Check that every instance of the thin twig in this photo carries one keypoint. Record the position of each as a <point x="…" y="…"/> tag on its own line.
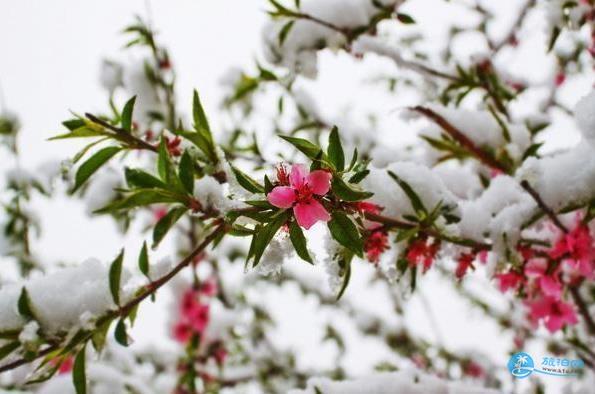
<point x="548" y="211"/>
<point x="123" y="134"/>
<point x="151" y="288"/>
<point x="583" y="309"/>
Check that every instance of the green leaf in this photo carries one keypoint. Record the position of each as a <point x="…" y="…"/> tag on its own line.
<point x="90" y="166"/>
<point x="202" y="140"/>
<point x="346" y="278"/>
<point x="304" y="146"/>
<point x="200" y="117"/>
<point x="79" y="376"/>
<point x="164" y="165"/>
<point x="24" y="305"/>
<point x="143" y="260"/>
<point x="7" y="349"/>
<point x="353" y="160"/>
<point x="141" y="179"/>
<point x="406" y="19"/>
<point x="120" y="333"/>
<point x="335" y="150"/>
<point x="346" y="192"/>
<point x="285" y="31"/>
<point x="166" y="223"/>
<point x="299" y="241"/>
<point x="268" y="185"/>
<point x="141" y="197"/>
<point x="416" y="202"/>
<point x="264" y="236"/>
<point x="186" y="172"/>
<point x="247" y="182"/>
<point x="81" y="132"/>
<point x="345" y="233"/>
<point x="73" y="124"/>
<point x="126" y="120"/>
<point x="359" y="176"/>
<point x="115" y="276"/>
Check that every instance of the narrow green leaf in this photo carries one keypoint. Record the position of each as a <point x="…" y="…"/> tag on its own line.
<point x="359" y="176"/>
<point x="166" y="223"/>
<point x="120" y="333"/>
<point x="346" y="278"/>
<point x="141" y="197"/>
<point x="347" y="192"/>
<point x="264" y="236"/>
<point x="7" y="349"/>
<point x="79" y="375"/>
<point x="81" y="132"/>
<point x="24" y="305"/>
<point x="115" y="276"/>
<point x="141" y="179"/>
<point x="304" y="146"/>
<point x="406" y="19"/>
<point x="247" y="182"/>
<point x="199" y="115"/>
<point x="353" y="160"/>
<point x="285" y="32"/>
<point x="143" y="260"/>
<point x="163" y="161"/>
<point x="335" y="150"/>
<point x="126" y="120"/>
<point x="416" y="202"/>
<point x="201" y="139"/>
<point x="299" y="241"/>
<point x="186" y="172"/>
<point x="345" y="233"/>
<point x="90" y="166"/>
<point x="73" y="124"/>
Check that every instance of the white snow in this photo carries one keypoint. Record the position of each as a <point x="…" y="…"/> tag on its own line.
<point x="584" y="114"/>
<point x="563" y="178"/>
<point x="60" y="299"/>
<point x="298" y="52"/>
<point x="388" y="194"/>
<point x="405" y="381"/>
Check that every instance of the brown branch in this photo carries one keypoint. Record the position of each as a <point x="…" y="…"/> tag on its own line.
<point x="151" y="288"/>
<point x="548" y="211"/>
<point x="583" y="309"/>
<point x="394" y="223"/>
<point x="461" y="138"/>
<point x="122" y="134"/>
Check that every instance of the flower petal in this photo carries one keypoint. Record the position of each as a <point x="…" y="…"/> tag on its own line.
<point x="298" y="174"/>
<point x="307" y="213"/>
<point x="319" y="182"/>
<point x="282" y="197"/>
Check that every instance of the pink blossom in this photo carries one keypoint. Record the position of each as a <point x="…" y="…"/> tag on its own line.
<point x="299" y="190"/>
<point x="421" y="251"/>
<point x="209" y="288"/>
<point x="182" y="332"/>
<point x="554" y="313"/>
<point x="547" y="282"/>
<point x="376" y="243"/>
<point x="509" y="280"/>
<point x="577" y="249"/>
<point x="465" y="261"/>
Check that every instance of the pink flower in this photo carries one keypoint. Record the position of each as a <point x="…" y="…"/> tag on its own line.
<point x="465" y="261"/>
<point x="547" y="282"/>
<point x="299" y="190"/>
<point x="555" y="313"/>
<point x="182" y="332"/>
<point x="159" y="212"/>
<point x="209" y="288"/>
<point x="375" y="245"/>
<point x="577" y="248"/>
<point x="509" y="280"/>
<point x="422" y="252"/>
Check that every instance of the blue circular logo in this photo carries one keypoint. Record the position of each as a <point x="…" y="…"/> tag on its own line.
<point x="520" y="365"/>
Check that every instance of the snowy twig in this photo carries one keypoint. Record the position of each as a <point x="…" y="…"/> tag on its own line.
<point x="125" y="309"/>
